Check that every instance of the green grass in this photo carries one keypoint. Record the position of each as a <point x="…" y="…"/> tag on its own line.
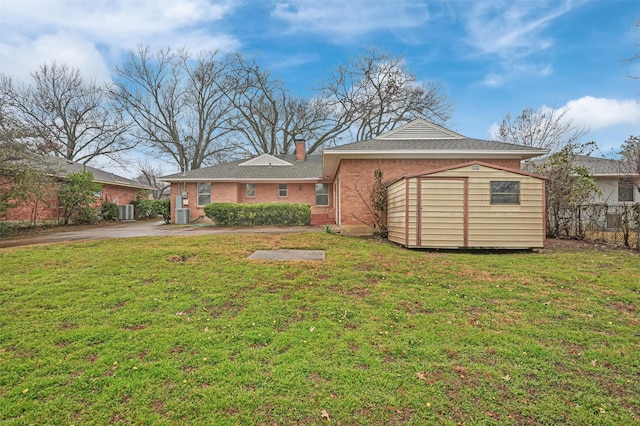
<point x="187" y="331"/>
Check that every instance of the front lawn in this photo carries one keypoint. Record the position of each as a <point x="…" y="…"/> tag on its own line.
<point x="187" y="331"/>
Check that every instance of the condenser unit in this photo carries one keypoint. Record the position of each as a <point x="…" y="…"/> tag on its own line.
<point x="182" y="216"/>
<point x="125" y="212"/>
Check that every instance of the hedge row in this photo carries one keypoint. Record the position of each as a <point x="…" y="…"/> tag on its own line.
<point x="231" y="214"/>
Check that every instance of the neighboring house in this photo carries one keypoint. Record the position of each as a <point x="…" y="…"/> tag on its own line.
<point x="115" y="189"/>
<point x="337" y="184"/>
<point x="613" y="179"/>
<point x="618" y="189"/>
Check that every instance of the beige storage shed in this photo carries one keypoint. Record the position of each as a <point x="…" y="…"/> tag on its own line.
<point x="472" y="205"/>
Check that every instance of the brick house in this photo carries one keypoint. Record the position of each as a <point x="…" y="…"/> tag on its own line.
<point x="115" y="189"/>
<point x="337" y="182"/>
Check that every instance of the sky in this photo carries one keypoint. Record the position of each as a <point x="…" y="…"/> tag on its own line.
<point x="492" y="57"/>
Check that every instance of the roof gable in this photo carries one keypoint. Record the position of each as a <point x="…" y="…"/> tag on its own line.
<point x="265" y="160"/>
<point x="420" y="129"/>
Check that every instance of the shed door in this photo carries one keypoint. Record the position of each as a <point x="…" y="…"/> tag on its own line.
<point x="443" y="211"/>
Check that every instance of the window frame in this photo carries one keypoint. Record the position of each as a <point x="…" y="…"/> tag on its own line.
<point x="502" y="197"/>
<point x="283" y="187"/>
<point x="625" y="187"/>
<point x="200" y="193"/>
<point x="322" y="194"/>
<point x="249" y="186"/>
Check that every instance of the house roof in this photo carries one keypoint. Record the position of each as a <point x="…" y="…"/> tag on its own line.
<point x="422" y="139"/>
<point x="62" y="167"/>
<point x="418" y="139"/>
<point x="280" y="168"/>
<point x="601" y="166"/>
<point x="597" y="166"/>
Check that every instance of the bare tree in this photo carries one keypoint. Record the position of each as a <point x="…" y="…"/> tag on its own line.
<point x="569" y="189"/>
<point x="631" y="155"/>
<point x="178" y="103"/>
<point x="372" y="94"/>
<point x="375" y="93"/>
<point x="67" y="116"/>
<point x="264" y="113"/>
<point x="150" y="175"/>
<point x="21" y="178"/>
<point x="546" y="128"/>
<point x="634" y="58"/>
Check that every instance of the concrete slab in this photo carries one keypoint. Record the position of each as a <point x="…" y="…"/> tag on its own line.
<point x="287" y="255"/>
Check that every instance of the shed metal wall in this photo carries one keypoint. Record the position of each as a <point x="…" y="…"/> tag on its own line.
<point x="396" y="212"/>
<point x="434" y="202"/>
<point x="442" y="213"/>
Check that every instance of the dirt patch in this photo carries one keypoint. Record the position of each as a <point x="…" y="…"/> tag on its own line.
<point x="136" y="327"/>
<point x="181" y="257"/>
<point x="177" y="350"/>
<point x="624" y="307"/>
<point x="560" y="244"/>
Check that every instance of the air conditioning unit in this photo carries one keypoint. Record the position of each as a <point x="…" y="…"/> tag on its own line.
<point x="182" y="216"/>
<point x="125" y="213"/>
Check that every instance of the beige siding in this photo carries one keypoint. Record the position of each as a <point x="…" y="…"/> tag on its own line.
<point x="396" y="212"/>
<point x="447" y="210"/>
<point x="442" y="213"/>
<point x="502" y="225"/>
<point x="412" y="214"/>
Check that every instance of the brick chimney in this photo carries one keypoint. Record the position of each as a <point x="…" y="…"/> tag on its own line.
<point x="301" y="149"/>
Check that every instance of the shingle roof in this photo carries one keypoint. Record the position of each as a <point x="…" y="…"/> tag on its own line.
<point x="597" y="166"/>
<point x="62" y="167"/>
<point x="600" y="166"/>
<point x="311" y="168"/>
<point x="418" y="137"/>
<point x="465" y="144"/>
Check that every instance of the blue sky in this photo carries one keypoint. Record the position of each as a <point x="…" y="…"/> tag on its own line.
<point x="493" y="57"/>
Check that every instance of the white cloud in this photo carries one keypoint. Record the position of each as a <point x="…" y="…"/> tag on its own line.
<point x="342" y="21"/>
<point x="88" y="34"/>
<point x="493" y="131"/>
<point x="599" y="113"/>
<point x="511" y="28"/>
<point x="514" y="32"/>
<point x="26" y="56"/>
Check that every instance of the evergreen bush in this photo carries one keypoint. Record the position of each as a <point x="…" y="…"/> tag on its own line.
<point x="231" y="214"/>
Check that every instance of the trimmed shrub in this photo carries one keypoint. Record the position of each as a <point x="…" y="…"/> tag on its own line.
<point x="231" y="214"/>
<point x="87" y="216"/>
<point x="145" y="209"/>
<point x="161" y="207"/>
<point x="109" y="210"/>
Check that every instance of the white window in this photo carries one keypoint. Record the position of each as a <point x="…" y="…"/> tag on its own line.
<point x="204" y="194"/>
<point x="251" y="190"/>
<point x="282" y="190"/>
<point x="505" y="192"/>
<point x="322" y="194"/>
<point x="625" y="190"/>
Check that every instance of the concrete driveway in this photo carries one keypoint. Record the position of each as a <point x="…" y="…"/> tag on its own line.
<point x="139" y="229"/>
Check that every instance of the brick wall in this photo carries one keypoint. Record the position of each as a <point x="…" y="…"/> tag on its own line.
<point x="232" y="192"/>
<point x="46" y="210"/>
<point x="357" y="175"/>
<point x="118" y="194"/>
